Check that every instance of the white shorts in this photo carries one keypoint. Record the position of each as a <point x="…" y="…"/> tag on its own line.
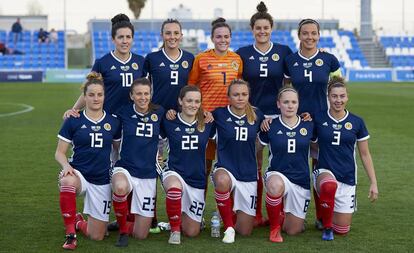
<point x="296" y="199"/>
<point x="143" y="193"/>
<point x="98" y="198"/>
<point x="244" y="194"/>
<point x="345" y="196"/>
<point x="192" y="200"/>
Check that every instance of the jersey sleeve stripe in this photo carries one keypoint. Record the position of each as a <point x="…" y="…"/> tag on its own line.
<point x="64" y="139"/>
<point x="363" y="138"/>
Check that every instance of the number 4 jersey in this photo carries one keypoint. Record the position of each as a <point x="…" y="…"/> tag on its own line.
<point x="92" y="145"/>
<point x="337" y="140"/>
<point x="187" y="149"/>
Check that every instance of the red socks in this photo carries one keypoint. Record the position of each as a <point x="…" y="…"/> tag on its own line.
<point x="327" y="190"/>
<point x="173" y="206"/>
<point x="224" y="205"/>
<point x="274" y="207"/>
<point x="67" y="201"/>
<point x="120" y="204"/>
<point x="341" y="230"/>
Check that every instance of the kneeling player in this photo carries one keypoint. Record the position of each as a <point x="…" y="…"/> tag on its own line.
<point x="236" y="169"/>
<point x="287" y="178"/>
<point x="184" y="178"/>
<point x="92" y="136"/>
<point x="338" y="132"/>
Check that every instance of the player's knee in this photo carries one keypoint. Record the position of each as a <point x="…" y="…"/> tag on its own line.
<point x="293" y="230"/>
<point x="341" y="229"/>
<point x="221" y="180"/>
<point x="97" y="237"/>
<point x="68" y="180"/>
<point x="244" y="231"/>
<point x="275" y="187"/>
<point x="191" y="231"/>
<point x="141" y="235"/>
<point x="120" y="187"/>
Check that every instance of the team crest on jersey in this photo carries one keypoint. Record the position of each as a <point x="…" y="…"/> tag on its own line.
<point x="337" y="126"/>
<point x="145" y="120"/>
<point x="264" y="58"/>
<point x="307" y="64"/>
<point x="319" y="62"/>
<point x="96" y="128"/>
<point x="234" y="65"/>
<point x="348" y="125"/>
<point x="291" y="134"/>
<point x="189" y="130"/>
<point x="154" y="117"/>
<point x="184" y="64"/>
<point x="125" y="68"/>
<point x="209" y="67"/>
<point x="303" y="131"/>
<point x="240" y="122"/>
<point x="174" y="66"/>
<point x="275" y="57"/>
<point x="134" y="66"/>
<point x="107" y="127"/>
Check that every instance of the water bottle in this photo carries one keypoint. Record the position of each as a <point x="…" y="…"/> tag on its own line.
<point x="215" y="225"/>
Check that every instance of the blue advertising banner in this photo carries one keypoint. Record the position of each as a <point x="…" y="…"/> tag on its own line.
<point x="66" y="75"/>
<point x="21" y="76"/>
<point x="370" y="75"/>
<point x="405" y="75"/>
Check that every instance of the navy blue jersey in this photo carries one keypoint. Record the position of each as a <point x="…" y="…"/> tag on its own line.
<point x="92" y="145"/>
<point x="168" y="76"/>
<point x="140" y="136"/>
<point x="187" y="149"/>
<point x="236" y="143"/>
<point x="265" y="73"/>
<point x="310" y="78"/>
<point x="118" y="77"/>
<point x="337" y="140"/>
<point x="289" y="149"/>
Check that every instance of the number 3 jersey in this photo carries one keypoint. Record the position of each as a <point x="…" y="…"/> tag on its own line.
<point x="187" y="149"/>
<point x="168" y="76"/>
<point x="140" y="136"/>
<point x="118" y="76"/>
<point x="92" y="145"/>
<point x="310" y="78"/>
<point x="236" y="143"/>
<point x="289" y="149"/>
<point x="337" y="140"/>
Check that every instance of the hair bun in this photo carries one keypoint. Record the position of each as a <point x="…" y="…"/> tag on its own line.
<point x="261" y="7"/>
<point x="119" y="18"/>
<point x="94" y="76"/>
<point x="218" y="20"/>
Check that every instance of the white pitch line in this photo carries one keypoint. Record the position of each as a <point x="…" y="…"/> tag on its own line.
<point x="27" y="108"/>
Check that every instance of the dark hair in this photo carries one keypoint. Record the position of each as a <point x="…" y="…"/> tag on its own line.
<point x="285" y="88"/>
<point x="144" y="82"/>
<point x="200" y="113"/>
<point x="308" y="21"/>
<point x="169" y="21"/>
<point x="217" y="23"/>
<point x="250" y="113"/>
<point x="92" y="78"/>
<point x="336" y="82"/>
<point x="261" y="14"/>
<point x="121" y="21"/>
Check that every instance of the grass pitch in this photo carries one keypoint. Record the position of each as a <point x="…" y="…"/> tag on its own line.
<point x="30" y="217"/>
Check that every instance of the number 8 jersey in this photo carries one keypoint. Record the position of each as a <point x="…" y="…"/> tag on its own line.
<point x="337" y="140"/>
<point x="187" y="149"/>
<point x="92" y="145"/>
<point x="236" y="143"/>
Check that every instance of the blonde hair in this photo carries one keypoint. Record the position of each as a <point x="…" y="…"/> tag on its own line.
<point x="200" y="113"/>
<point x="250" y="112"/>
<point x="92" y="78"/>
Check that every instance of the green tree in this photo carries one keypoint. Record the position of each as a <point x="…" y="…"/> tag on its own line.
<point x="136" y="6"/>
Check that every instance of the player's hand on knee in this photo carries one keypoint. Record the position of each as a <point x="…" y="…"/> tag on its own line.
<point x="208" y="117"/>
<point x="171" y="114"/>
<point x="71" y="113"/>
<point x="68" y="170"/>
<point x="265" y="126"/>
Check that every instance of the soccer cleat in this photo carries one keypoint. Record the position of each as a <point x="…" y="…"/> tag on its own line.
<point x="70" y="242"/>
<point x="122" y="240"/>
<point x="276" y="235"/>
<point x="175" y="237"/>
<point x="202" y="224"/>
<point x="78" y="218"/>
<point x="164" y="226"/>
<point x="229" y="235"/>
<point x="155" y="230"/>
<point x="113" y="226"/>
<point x="319" y="225"/>
<point x="327" y="234"/>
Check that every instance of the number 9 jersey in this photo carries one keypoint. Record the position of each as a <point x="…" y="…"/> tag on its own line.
<point x="118" y="76"/>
